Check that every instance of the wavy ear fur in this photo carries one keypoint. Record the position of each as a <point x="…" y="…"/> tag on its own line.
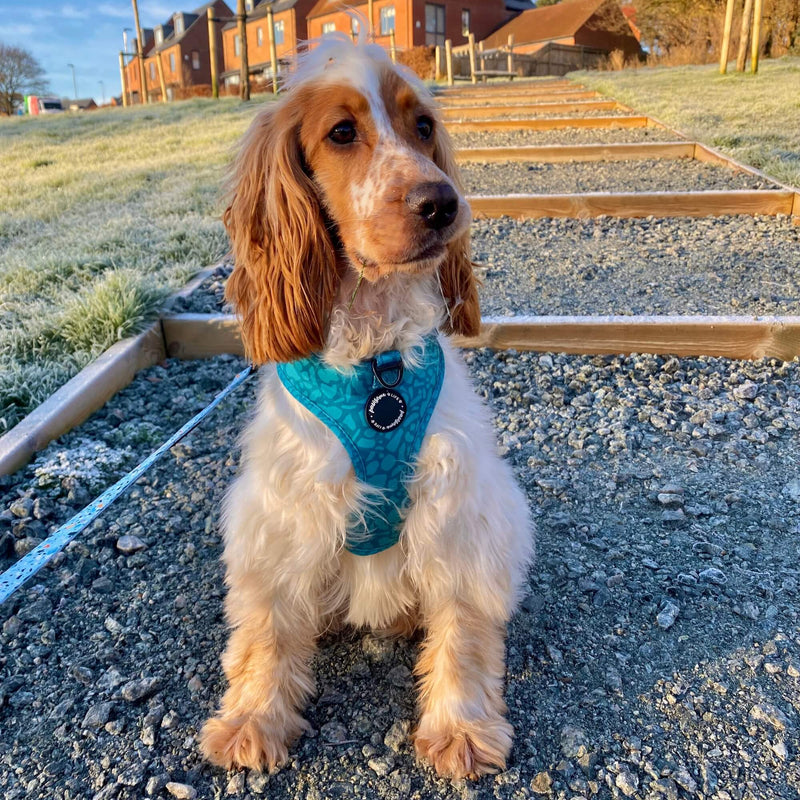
<point x="284" y="278"/>
<point x="456" y="276"/>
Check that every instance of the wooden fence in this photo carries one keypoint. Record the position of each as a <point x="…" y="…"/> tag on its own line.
<point x="552" y="59"/>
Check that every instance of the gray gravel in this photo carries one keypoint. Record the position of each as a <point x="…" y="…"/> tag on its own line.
<point x="563" y="136"/>
<point x="657" y="175"/>
<point x="507" y="112"/>
<point x="656" y="656"/>
<point x="712" y="265"/>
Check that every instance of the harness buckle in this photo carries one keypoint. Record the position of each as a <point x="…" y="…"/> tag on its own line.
<point x="394" y="365"/>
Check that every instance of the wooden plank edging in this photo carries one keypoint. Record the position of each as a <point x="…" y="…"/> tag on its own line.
<point x="634" y="204"/>
<point x="548" y="123"/>
<point x="80" y="397"/>
<point x="740" y="337"/>
<point x="467" y="113"/>
<point x="456" y="101"/>
<point x="556" y="153"/>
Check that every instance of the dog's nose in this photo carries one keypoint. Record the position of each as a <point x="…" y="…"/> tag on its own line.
<point x="436" y="203"/>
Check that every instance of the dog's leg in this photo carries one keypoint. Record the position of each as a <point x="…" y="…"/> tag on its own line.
<point x="462" y="730"/>
<point x="267" y="665"/>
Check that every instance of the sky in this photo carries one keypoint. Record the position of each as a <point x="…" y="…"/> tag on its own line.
<point x="88" y="35"/>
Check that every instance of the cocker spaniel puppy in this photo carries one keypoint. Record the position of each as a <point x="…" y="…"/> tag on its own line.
<point x="371" y="491"/>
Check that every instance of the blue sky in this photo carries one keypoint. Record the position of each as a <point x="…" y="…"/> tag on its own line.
<point x="88" y="35"/>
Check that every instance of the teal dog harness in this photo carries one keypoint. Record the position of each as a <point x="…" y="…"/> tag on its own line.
<point x="379" y="411"/>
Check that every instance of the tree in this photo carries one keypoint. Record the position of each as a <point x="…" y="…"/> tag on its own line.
<point x="20" y="74"/>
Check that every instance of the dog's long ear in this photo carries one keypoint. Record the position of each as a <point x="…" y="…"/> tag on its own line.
<point x="456" y="276"/>
<point x="284" y="278"/>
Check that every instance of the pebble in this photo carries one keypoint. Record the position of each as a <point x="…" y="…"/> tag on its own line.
<point x="137" y="690"/>
<point x="181" y="791"/>
<point x="668" y="615"/>
<point x="130" y="544"/>
<point x="541" y="783"/>
<point x="97" y="715"/>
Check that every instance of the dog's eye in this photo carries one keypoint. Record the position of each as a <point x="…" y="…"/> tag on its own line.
<point x="425" y="127"/>
<point x="343" y="132"/>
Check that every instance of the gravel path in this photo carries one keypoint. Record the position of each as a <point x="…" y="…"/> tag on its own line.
<point x="713" y="265"/>
<point x="657" y="175"/>
<point x="656" y="656"/>
<point x="563" y="136"/>
<point x="510" y="113"/>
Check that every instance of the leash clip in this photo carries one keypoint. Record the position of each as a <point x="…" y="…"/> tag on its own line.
<point x="394" y="365"/>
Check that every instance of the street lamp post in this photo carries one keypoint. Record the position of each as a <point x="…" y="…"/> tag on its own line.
<point x="74" y="82"/>
<point x="103" y="91"/>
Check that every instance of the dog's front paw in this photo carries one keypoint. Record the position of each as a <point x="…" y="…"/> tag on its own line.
<point x="251" y="740"/>
<point x="465" y="749"/>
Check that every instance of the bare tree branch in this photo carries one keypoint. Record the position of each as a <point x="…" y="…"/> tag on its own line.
<point x="20" y="74"/>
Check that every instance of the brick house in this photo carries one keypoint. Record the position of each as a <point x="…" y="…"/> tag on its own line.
<point x="182" y="45"/>
<point x="415" y="22"/>
<point x="289" y="19"/>
<point x="599" y="24"/>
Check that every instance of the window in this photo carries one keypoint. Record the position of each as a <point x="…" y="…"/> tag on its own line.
<point x="172" y="62"/>
<point x="259" y="36"/>
<point x="387" y="20"/>
<point x="328" y="27"/>
<point x="195" y="59"/>
<point x="237" y="45"/>
<point x="152" y="71"/>
<point x="465" y="22"/>
<point x="248" y="5"/>
<point x="159" y="35"/>
<point x="278" y="29"/>
<point x="178" y="24"/>
<point x="434" y="24"/>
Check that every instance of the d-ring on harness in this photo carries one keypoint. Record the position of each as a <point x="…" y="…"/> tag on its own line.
<point x="379" y="411"/>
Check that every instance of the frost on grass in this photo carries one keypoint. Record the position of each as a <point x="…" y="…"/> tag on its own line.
<point x="87" y="463"/>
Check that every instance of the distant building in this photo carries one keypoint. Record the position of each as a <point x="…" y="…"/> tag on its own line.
<point x="82" y="104"/>
<point x="414" y="22"/>
<point x="181" y="44"/>
<point x="597" y="24"/>
<point x="289" y="20"/>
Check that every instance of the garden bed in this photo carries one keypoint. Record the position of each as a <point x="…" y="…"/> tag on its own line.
<point x="664" y="600"/>
<point x="656" y="175"/>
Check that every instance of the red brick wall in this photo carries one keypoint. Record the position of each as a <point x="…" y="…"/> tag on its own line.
<point x="485" y="17"/>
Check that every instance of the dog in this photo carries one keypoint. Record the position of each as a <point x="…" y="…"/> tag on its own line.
<point x="350" y="235"/>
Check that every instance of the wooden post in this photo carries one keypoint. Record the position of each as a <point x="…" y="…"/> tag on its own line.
<point x="472" y="68"/>
<point x="726" y="37"/>
<point x="122" y="79"/>
<point x="437" y="70"/>
<point x="482" y="59"/>
<point x="244" y="72"/>
<point x="212" y="53"/>
<point x="747" y="16"/>
<point x="273" y="52"/>
<point x="139" y="54"/>
<point x="510" y="52"/>
<point x="162" y="83"/>
<point x="392" y="46"/>
<point x="448" y="54"/>
<point x="756" y="47"/>
<point x="370" y="29"/>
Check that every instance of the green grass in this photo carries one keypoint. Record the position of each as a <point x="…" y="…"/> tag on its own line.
<point x="753" y="118"/>
<point x="101" y="216"/>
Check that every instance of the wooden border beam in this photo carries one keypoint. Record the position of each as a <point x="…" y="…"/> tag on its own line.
<point x="490" y="111"/>
<point x="634" y="204"/>
<point x="510" y="87"/>
<point x="742" y="337"/>
<point x="80" y="397"/>
<point x="556" y="153"/>
<point x="549" y="123"/>
<point x="516" y="99"/>
<point x="729" y="337"/>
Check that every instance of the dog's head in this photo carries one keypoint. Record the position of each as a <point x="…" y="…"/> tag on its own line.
<point x="351" y="170"/>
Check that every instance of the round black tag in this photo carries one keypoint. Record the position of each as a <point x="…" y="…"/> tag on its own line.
<point x="385" y="410"/>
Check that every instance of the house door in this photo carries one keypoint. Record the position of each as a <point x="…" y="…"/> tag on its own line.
<point x="434" y="24"/>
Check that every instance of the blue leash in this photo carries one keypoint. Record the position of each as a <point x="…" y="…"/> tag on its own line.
<point x="31" y="563"/>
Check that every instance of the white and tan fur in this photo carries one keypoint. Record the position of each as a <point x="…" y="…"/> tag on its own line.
<point x="329" y="258"/>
